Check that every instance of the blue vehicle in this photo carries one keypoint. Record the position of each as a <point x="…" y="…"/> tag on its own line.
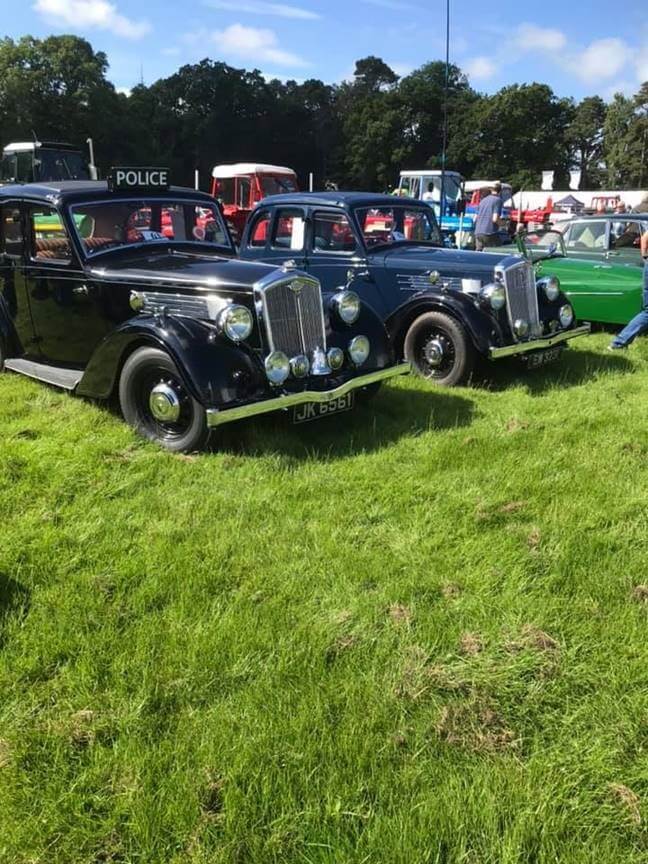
<point x="444" y="309"/>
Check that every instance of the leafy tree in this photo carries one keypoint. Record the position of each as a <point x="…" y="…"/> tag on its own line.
<point x="585" y="138"/>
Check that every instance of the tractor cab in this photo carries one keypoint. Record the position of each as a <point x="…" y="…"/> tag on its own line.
<point x="240" y="186"/>
<point x="43" y="162"/>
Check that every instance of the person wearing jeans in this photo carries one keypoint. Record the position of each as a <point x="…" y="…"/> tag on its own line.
<point x="639" y="323"/>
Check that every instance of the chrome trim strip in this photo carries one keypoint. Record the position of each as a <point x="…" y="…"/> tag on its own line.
<point x="547" y="342"/>
<point x="216" y="417"/>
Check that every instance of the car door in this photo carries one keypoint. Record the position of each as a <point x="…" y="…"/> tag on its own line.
<point x="13" y="287"/>
<point x="625" y="240"/>
<point x="599" y="291"/>
<point x="276" y="235"/>
<point x="67" y="308"/>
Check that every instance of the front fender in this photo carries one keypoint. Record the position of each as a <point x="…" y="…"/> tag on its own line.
<point x="215" y="371"/>
<point x="483" y="329"/>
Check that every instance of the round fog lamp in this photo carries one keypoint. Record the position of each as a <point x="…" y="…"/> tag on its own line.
<point x="494" y="295"/>
<point x="551" y="287"/>
<point x="347" y="306"/>
<point x="300" y="366"/>
<point x="335" y="357"/>
<point x="359" y="349"/>
<point x="566" y="315"/>
<point x="277" y="367"/>
<point x="235" y="322"/>
<point x="521" y="327"/>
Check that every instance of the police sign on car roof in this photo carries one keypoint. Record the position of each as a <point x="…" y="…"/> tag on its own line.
<point x="138" y="178"/>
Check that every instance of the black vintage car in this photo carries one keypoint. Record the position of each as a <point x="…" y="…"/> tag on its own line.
<point x="133" y="289"/>
<point x="443" y="308"/>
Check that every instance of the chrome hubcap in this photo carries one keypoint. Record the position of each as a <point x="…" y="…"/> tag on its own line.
<point x="164" y="403"/>
<point x="434" y="352"/>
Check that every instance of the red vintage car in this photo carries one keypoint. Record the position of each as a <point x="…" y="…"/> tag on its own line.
<point x="242" y="185"/>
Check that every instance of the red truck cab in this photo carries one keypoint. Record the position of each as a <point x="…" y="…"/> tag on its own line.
<point x="240" y="186"/>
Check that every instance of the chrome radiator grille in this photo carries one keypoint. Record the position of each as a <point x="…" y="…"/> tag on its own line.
<point x="293" y="315"/>
<point x="522" y="297"/>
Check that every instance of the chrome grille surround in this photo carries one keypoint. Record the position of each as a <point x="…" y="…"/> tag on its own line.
<point x="521" y="297"/>
<point x="292" y="313"/>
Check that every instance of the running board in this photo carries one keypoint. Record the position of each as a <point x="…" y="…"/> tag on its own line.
<point x="59" y="377"/>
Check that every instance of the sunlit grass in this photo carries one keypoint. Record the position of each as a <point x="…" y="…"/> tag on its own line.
<point x="416" y="633"/>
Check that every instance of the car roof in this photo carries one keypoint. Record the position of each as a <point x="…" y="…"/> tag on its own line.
<point x="84" y="190"/>
<point x="594" y="217"/>
<point x="340" y="199"/>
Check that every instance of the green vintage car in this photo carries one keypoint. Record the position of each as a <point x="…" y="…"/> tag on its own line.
<point x="600" y="290"/>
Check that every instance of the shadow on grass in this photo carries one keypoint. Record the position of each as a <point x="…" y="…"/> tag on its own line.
<point x="392" y="414"/>
<point x="570" y="370"/>
<point x="14" y="602"/>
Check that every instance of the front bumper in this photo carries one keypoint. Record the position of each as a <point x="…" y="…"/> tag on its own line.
<point x="535" y="344"/>
<point x="218" y="416"/>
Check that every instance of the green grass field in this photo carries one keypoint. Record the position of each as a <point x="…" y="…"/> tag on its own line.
<point x="415" y="633"/>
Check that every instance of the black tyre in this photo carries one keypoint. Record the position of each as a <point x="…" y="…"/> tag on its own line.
<point x="155" y="402"/>
<point x="439" y="349"/>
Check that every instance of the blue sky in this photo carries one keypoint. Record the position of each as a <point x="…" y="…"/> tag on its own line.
<point x="579" y="48"/>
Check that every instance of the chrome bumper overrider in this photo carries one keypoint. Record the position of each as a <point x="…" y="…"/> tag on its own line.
<point x="547" y="342"/>
<point x="217" y="416"/>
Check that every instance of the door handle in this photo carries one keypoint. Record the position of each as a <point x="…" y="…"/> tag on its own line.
<point x="81" y="290"/>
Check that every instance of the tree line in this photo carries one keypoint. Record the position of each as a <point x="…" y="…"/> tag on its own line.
<point x="358" y="134"/>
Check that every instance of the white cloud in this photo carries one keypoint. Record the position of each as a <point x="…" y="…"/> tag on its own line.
<point x="91" y="14"/>
<point x="642" y="64"/>
<point x="260" y="7"/>
<point x="479" y="68"/>
<point x="253" y="44"/>
<point x="171" y="51"/>
<point x="530" y="37"/>
<point x="401" y="69"/>
<point x="602" y="59"/>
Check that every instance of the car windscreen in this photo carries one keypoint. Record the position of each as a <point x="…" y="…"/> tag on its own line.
<point x="385" y="226"/>
<point x="542" y="244"/>
<point x="113" y="224"/>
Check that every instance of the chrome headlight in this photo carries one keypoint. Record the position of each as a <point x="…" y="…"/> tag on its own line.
<point x="300" y="366"/>
<point x="277" y="367"/>
<point x="494" y="295"/>
<point x="347" y="306"/>
<point x="335" y="357"/>
<point x="235" y="322"/>
<point x="551" y="287"/>
<point x="359" y="349"/>
<point x="566" y="315"/>
<point x="521" y="327"/>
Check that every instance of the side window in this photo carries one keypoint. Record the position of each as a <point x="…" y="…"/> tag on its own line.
<point x="12" y="235"/>
<point x="625" y="235"/>
<point x="243" y="189"/>
<point x="332" y="233"/>
<point x="8" y="168"/>
<point x="49" y="239"/>
<point x="288" y="230"/>
<point x="587" y="235"/>
<point x="259" y="232"/>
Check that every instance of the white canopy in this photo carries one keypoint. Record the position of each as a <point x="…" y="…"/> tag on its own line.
<point x="225" y="171"/>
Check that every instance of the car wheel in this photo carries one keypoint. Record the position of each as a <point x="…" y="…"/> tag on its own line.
<point x="155" y="402"/>
<point x="439" y="349"/>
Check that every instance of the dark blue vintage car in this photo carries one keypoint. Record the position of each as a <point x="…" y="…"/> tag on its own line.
<point x="443" y="308"/>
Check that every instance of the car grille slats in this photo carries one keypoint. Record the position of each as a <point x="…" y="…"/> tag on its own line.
<point x="522" y="297"/>
<point x="293" y="316"/>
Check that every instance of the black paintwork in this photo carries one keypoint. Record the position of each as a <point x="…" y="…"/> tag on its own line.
<point x="383" y="275"/>
<point x="78" y="315"/>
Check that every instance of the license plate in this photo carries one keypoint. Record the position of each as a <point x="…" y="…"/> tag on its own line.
<point x="546" y="355"/>
<point x="315" y="410"/>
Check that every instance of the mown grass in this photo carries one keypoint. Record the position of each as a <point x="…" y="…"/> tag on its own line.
<point x="416" y="633"/>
